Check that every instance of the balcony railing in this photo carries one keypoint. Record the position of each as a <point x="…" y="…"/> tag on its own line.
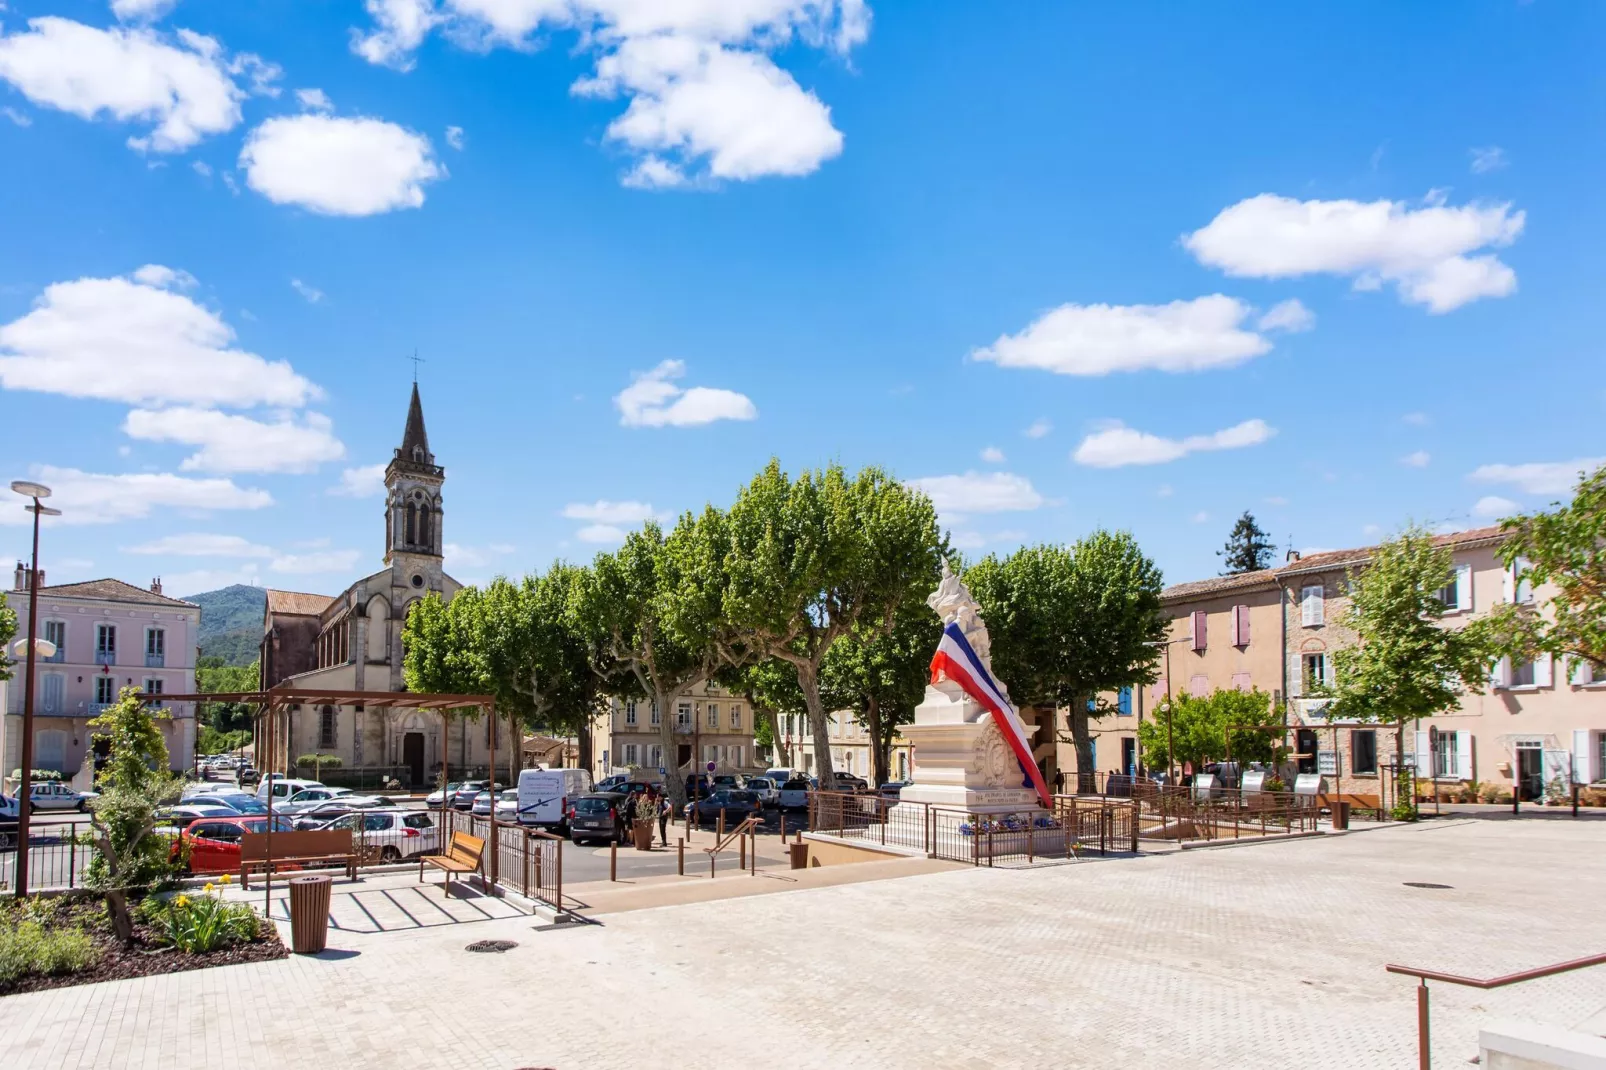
<point x="155" y="661"/>
<point x="105" y="657"/>
<point x="57" y="658"/>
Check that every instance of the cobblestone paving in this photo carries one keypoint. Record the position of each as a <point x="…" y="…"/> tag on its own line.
<point x="1268" y="955"/>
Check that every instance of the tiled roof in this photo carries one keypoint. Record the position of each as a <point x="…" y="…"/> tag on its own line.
<point x="115" y="591"/>
<point x="1266" y="577"/>
<point x="297" y="603"/>
<point x="1345" y="558"/>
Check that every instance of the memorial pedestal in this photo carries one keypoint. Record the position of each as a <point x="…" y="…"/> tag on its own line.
<point x="961" y="757"/>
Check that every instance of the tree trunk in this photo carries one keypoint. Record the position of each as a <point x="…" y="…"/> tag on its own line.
<point x="588" y="756"/>
<point x="808" y="678"/>
<point x="1082" y="739"/>
<point x="122" y="920"/>
<point x="878" y="747"/>
<point x="674" y="782"/>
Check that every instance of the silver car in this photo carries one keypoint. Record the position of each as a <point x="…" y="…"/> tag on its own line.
<point x="768" y="792"/>
<point x="397" y="834"/>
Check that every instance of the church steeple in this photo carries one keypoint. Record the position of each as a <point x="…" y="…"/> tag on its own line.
<point x="413" y="512"/>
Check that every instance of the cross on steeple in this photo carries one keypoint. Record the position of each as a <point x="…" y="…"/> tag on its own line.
<point x="417" y="360"/>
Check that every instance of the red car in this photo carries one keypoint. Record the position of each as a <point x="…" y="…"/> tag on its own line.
<point x="213" y="843"/>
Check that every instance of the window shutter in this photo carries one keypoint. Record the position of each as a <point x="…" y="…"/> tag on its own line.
<point x="1463" y="755"/>
<point x="1502" y="673"/>
<point x="1310" y="606"/>
<point x="1424" y="756"/>
<point x="1578" y="673"/>
<point x="1582" y="773"/>
<point x="1463" y="587"/>
<point x="1296" y="676"/>
<point x="1327" y="669"/>
<point x="1542" y="674"/>
<point x="1200" y="619"/>
<point x="1508" y="584"/>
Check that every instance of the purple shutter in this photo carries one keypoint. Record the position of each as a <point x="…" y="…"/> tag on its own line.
<point x="1199" y="618"/>
<point x="1243" y="625"/>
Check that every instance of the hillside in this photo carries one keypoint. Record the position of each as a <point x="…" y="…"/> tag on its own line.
<point x="231" y="622"/>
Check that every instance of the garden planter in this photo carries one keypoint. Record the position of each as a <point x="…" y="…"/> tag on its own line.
<point x="641" y="833"/>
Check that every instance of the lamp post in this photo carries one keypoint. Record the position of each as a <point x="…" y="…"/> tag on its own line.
<point x="1166" y="708"/>
<point x="35" y="491"/>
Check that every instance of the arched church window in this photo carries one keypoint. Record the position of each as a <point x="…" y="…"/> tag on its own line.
<point x="326" y="728"/>
<point x="426" y="533"/>
<point x="412" y="524"/>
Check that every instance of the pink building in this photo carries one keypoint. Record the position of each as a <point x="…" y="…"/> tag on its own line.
<point x="109" y="635"/>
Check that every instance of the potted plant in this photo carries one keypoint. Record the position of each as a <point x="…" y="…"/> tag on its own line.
<point x="646" y="813"/>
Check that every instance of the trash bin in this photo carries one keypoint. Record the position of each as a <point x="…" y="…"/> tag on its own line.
<point x="1341" y="815"/>
<point x="309" y="914"/>
<point x="800" y="855"/>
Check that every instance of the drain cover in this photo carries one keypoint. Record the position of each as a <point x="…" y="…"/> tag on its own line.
<point x="491" y="945"/>
<point x="1426" y="884"/>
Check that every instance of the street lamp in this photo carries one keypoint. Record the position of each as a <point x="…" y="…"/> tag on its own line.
<point x="1165" y="707"/>
<point x="35" y="491"/>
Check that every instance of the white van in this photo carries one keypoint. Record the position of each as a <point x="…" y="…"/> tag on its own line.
<point x="544" y="795"/>
<point x="282" y="787"/>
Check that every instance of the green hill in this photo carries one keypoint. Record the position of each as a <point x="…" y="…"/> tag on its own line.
<point x="231" y="622"/>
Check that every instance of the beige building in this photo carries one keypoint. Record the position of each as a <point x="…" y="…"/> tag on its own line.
<point x="353" y="642"/>
<point x="852" y="749"/>
<point x="710" y="725"/>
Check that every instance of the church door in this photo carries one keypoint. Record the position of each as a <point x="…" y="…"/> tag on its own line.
<point x="413" y="757"/>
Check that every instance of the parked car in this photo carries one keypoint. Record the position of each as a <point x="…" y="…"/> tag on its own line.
<point x="737" y="804"/>
<point x="307" y="798"/>
<point x="247" y="775"/>
<point x="699" y="786"/>
<point x="727" y="782"/>
<point x="237" y="801"/>
<point x="282" y="788"/>
<point x="892" y="790"/>
<point x="439" y="796"/>
<point x="463" y="797"/>
<point x="781" y="776"/>
<point x="768" y="792"/>
<point x="212" y="845"/>
<point x="545" y="794"/>
<point x="9" y="818"/>
<point x="53" y="795"/>
<point x="598" y="815"/>
<point x="608" y="783"/>
<point x="507" y="806"/>
<point x="848" y="782"/>
<point x="182" y="815"/>
<point x="398" y="834"/>
<point x="794" y="794"/>
<point x="328" y="810"/>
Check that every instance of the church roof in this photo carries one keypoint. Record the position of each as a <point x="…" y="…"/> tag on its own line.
<point x="112" y="590"/>
<point x="414" y="434"/>
<point x="297" y="603"/>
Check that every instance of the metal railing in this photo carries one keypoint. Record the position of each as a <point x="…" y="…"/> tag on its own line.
<point x="105" y="657"/>
<point x="1424" y="1056"/>
<point x="526" y="860"/>
<point x="155" y="661"/>
<point x="57" y="859"/>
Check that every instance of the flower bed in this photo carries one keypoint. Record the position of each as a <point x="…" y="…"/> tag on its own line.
<point x="53" y="943"/>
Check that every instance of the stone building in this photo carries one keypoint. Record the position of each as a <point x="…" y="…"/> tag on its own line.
<point x="710" y="725"/>
<point x="353" y="642"/>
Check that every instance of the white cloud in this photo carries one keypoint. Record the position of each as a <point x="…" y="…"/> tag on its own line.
<point x="1164" y="490"/>
<point x="141" y="10"/>
<point x="92" y="498"/>
<point x="1200" y="517"/>
<point x="315" y="100"/>
<point x="1038" y="428"/>
<point x="979" y="492"/>
<point x="311" y="293"/>
<point x="230" y="443"/>
<point x="17" y="117"/>
<point x="473" y="556"/>
<point x="185" y="584"/>
<point x="1554" y="477"/>
<point x="1207" y="332"/>
<point x="652" y="400"/>
<point x="706" y="102"/>
<point x="317" y="561"/>
<point x="1494" y="507"/>
<point x="200" y="544"/>
<point x="606" y="512"/>
<point x="184" y="89"/>
<point x="1489" y="158"/>
<point x="1415" y="419"/>
<point x="608" y="534"/>
<point x="970" y="539"/>
<point x="1371" y="531"/>
<point x="202" y="168"/>
<point x="1423" y="251"/>
<point x="993" y="455"/>
<point x="1290" y="315"/>
<point x="338" y="166"/>
<point x="1118" y="445"/>
<point x="136" y="340"/>
<point x="365" y="482"/>
<point x="455" y="138"/>
<point x="1419" y="459"/>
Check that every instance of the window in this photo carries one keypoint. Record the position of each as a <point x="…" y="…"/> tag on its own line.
<point x="105" y="690"/>
<point x="1315" y="671"/>
<point x="713" y="715"/>
<point x="105" y="644"/>
<point x="1123" y="702"/>
<point x="657" y="718"/>
<point x="657" y="759"/>
<point x="630" y="754"/>
<point x="56" y="633"/>
<point x="1457" y="594"/>
<point x="326" y="727"/>
<point x="1310" y="606"/>
<point x="1240" y="626"/>
<point x="1519" y="588"/>
<point x="155" y="642"/>
<point x="1200" y="622"/>
<point x="630" y="713"/>
<point x="736" y="717"/>
<point x="153" y="686"/>
<point x="1199" y="685"/>
<point x="683" y="715"/>
<point x="710" y="752"/>
<point x="736" y="756"/>
<point x="1363" y="752"/>
<point x="1241" y="682"/>
<point x="1522" y="674"/>
<point x="1444" y="753"/>
<point x="54" y="688"/>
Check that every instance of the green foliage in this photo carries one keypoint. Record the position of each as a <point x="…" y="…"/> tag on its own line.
<point x="231" y="623"/>
<point x="133" y="784"/>
<point x="1565" y="547"/>
<point x="213" y="676"/>
<point x="318" y="762"/>
<point x="8" y="631"/>
<point x="34" y="942"/>
<point x="1068" y="623"/>
<point x="198" y="924"/>
<point x="882" y="677"/>
<point x="1248" y="549"/>
<point x="1404" y="665"/>
<point x="1200" y="725"/>
<point x="209" y="740"/>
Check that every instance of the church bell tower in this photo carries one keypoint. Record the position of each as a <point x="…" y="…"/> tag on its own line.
<point x="414" y="518"/>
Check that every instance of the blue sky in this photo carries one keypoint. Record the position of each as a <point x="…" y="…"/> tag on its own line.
<point x="1163" y="263"/>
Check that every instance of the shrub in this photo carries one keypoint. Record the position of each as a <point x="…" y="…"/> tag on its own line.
<point x="1489" y="791"/>
<point x="28" y="947"/>
<point x="202" y="923"/>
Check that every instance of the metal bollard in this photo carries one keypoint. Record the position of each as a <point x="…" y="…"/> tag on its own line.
<point x="613" y="860"/>
<point x="741" y="859"/>
<point x="680" y="851"/>
<point x="721" y="823"/>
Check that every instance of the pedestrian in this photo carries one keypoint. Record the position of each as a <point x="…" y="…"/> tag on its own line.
<point x="1059" y="782"/>
<point x="663" y="818"/>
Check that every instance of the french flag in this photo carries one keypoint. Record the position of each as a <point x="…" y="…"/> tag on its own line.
<point x="957" y="661"/>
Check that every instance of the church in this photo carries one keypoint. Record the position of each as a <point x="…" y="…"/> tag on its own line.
<point x="353" y="642"/>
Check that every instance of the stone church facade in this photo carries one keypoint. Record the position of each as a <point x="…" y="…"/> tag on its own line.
<point x="353" y="642"/>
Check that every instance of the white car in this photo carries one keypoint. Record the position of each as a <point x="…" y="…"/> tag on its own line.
<point x="282" y="788"/>
<point x="54" y="795"/>
<point x="768" y="792"/>
<point x="307" y="798"/>
<point x="507" y="806"/>
<point x="398" y="834"/>
<point x="794" y="794"/>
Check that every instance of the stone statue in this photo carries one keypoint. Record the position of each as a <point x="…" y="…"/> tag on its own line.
<point x="952" y="601"/>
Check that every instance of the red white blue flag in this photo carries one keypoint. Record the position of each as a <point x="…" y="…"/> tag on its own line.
<point x="957" y="661"/>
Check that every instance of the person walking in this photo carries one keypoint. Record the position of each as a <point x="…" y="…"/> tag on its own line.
<point x="663" y="817"/>
<point x="1059" y="782"/>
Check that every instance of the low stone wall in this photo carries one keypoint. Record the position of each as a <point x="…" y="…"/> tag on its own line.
<point x="1531" y="1046"/>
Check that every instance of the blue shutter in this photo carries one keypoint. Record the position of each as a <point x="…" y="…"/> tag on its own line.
<point x="1124" y="701"/>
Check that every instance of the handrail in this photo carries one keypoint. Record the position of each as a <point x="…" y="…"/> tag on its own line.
<point x="747" y="825"/>
<point x="1424" y="1056"/>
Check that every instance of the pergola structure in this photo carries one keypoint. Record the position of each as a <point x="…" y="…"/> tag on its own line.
<point x="273" y="742"/>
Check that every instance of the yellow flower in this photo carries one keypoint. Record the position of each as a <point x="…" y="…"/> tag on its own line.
<point x="209" y="887"/>
<point x="181" y="901"/>
<point x="227" y="877"/>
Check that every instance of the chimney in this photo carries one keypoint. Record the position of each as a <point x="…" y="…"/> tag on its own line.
<point x="1293" y="555"/>
<point x="22" y="577"/>
<point x="156" y="585"/>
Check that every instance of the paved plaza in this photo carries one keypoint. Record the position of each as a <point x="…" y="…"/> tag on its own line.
<point x="1262" y="955"/>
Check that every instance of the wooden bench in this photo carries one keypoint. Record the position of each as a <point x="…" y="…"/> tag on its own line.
<point x="1357" y="803"/>
<point x="295" y="850"/>
<point x="462" y="856"/>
